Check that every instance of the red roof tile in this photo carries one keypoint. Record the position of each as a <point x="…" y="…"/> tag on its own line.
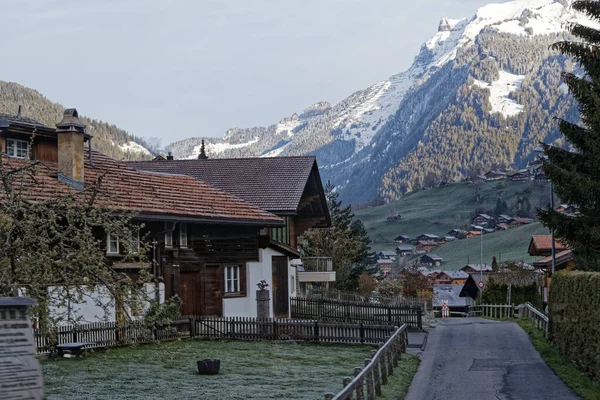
<point x="150" y="194"/>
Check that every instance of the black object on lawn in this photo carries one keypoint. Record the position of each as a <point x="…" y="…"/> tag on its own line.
<point x="209" y="366"/>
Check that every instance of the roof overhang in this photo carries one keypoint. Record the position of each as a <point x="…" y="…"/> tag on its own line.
<point x="205" y="220"/>
<point x="286" y="250"/>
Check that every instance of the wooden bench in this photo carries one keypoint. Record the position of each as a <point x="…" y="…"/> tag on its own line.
<point x="70" y="349"/>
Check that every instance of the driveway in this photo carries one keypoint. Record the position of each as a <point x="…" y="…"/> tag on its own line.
<point x="473" y="358"/>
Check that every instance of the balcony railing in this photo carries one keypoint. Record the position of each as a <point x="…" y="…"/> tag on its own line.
<point x="317" y="264"/>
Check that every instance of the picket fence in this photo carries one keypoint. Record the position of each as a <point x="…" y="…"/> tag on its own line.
<point x="368" y="380"/>
<point x="356" y="312"/>
<point x="110" y="334"/>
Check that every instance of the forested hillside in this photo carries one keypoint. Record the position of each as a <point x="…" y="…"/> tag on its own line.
<point x="108" y="138"/>
<point x="481" y="93"/>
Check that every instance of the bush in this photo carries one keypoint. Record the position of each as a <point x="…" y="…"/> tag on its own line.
<point x="575" y="318"/>
<point x="496" y="293"/>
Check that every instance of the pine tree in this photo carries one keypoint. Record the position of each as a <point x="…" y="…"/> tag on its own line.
<point x="576" y="174"/>
<point x="202" y="155"/>
<point x="494" y="264"/>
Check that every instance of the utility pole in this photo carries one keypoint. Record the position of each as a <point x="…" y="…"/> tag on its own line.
<point x="552" y="231"/>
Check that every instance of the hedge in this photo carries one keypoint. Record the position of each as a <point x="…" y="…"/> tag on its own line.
<point x="574" y="310"/>
<point x="497" y="293"/>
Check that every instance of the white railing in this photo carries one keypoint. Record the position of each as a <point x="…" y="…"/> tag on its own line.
<point x="497" y="311"/>
<point x="317" y="264"/>
<point x="539" y="319"/>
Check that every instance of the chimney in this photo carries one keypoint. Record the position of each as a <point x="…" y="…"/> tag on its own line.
<point x="71" y="135"/>
<point x="19" y="113"/>
<point x="169" y="156"/>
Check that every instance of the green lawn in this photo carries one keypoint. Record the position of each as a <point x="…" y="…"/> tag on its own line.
<point x="505" y="245"/>
<point x="399" y="383"/>
<point x="249" y="370"/>
<point x="442" y="209"/>
<point x="583" y="385"/>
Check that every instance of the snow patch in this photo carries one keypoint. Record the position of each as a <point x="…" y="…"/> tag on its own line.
<point x="217" y="148"/>
<point x="277" y="152"/>
<point x="499" y="91"/>
<point x="134" y="147"/>
<point x="288" y="124"/>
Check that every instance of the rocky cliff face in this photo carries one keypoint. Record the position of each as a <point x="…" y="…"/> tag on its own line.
<point x="481" y="92"/>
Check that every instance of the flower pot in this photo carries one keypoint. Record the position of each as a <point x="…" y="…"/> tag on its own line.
<point x="209" y="366"/>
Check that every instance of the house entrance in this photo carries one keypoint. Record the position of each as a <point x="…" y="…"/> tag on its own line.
<point x="281" y="294"/>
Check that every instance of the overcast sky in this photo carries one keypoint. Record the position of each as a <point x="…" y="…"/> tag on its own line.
<point x="181" y="68"/>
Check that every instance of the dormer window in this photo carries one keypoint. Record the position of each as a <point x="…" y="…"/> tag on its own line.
<point x="17" y="148"/>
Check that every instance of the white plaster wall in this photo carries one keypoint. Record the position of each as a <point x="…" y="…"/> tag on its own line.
<point x="96" y="305"/>
<point x="256" y="272"/>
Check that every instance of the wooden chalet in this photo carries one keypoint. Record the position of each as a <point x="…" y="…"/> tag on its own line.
<point x="520" y="221"/>
<point x="402" y="239"/>
<point x="503" y="219"/>
<point x="289" y="187"/>
<point x="404" y="250"/>
<point x="387" y="254"/>
<point x="457" y="233"/>
<point x="482" y="220"/>
<point x="541" y="245"/>
<point x="393" y="218"/>
<point x="520" y="176"/>
<point x="471" y="234"/>
<point x="428" y="236"/>
<point x="426" y="245"/>
<point x="540" y="177"/>
<point x="476" y="268"/>
<point x="206" y="239"/>
<point x="566" y="209"/>
<point x="495" y="175"/>
<point x="432" y="260"/>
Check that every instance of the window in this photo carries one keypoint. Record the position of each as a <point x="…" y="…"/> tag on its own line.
<point x="282" y="235"/>
<point x="183" y="237"/>
<point x="168" y="234"/>
<point x="112" y="243"/>
<point x="232" y="278"/>
<point x="17" y="148"/>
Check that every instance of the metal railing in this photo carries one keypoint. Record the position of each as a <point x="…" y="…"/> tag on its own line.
<point x="369" y="379"/>
<point x="538" y="318"/>
<point x="317" y="264"/>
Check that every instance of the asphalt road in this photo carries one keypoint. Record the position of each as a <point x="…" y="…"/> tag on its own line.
<point x="473" y="358"/>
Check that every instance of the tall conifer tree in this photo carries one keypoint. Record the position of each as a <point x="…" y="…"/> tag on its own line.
<point x="575" y="173"/>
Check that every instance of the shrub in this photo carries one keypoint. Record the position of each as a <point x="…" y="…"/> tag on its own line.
<point x="575" y="318"/>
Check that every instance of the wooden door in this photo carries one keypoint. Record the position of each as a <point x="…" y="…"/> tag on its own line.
<point x="281" y="294"/>
<point x="212" y="290"/>
<point x="190" y="289"/>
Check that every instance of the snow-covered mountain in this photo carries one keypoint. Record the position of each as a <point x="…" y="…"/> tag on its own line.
<point x="480" y="92"/>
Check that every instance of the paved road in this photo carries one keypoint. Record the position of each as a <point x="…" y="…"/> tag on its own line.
<point x="473" y="358"/>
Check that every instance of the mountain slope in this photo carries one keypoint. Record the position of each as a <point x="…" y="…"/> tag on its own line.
<point x="107" y="138"/>
<point x="483" y="91"/>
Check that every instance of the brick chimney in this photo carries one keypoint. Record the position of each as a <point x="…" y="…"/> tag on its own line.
<point x="71" y="135"/>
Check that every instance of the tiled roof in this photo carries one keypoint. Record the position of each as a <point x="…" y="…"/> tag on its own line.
<point x="14" y="118"/>
<point x="542" y="245"/>
<point x="151" y="194"/>
<point x="560" y="257"/>
<point x="272" y="183"/>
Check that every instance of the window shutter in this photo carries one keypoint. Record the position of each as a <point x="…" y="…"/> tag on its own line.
<point x="243" y="281"/>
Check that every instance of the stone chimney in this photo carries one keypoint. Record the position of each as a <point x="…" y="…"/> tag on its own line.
<point x="71" y="135"/>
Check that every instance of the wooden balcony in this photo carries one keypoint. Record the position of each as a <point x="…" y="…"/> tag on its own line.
<point x="316" y="269"/>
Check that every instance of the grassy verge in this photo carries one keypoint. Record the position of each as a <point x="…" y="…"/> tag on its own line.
<point x="249" y="370"/>
<point x="398" y="383"/>
<point x="582" y="384"/>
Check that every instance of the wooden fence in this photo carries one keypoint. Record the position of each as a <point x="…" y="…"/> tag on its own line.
<point x="368" y="380"/>
<point x="498" y="311"/>
<point x="340" y="295"/>
<point x="109" y="334"/>
<point x="355" y="312"/>
<point x="539" y="319"/>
